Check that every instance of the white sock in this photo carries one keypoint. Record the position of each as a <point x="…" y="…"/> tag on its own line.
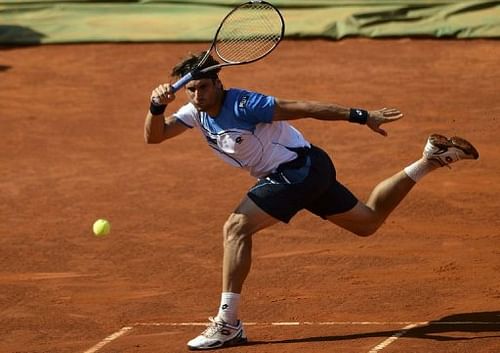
<point x="228" y="309"/>
<point x="419" y="169"/>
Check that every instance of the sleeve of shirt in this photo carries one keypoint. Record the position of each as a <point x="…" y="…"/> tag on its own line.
<point x="255" y="107"/>
<point x="187" y="115"/>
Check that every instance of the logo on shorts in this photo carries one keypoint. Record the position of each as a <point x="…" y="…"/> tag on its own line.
<point x="243" y="102"/>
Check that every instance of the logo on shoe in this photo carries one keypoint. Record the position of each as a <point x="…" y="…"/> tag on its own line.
<point x="441" y="151"/>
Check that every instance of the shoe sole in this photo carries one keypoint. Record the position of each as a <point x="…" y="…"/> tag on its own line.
<point x="465" y="146"/>
<point x="237" y="341"/>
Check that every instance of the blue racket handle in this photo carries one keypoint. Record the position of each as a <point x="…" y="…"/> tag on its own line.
<point x="176" y="86"/>
<point x="182" y="82"/>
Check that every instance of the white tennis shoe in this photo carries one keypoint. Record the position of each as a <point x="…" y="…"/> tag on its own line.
<point x="219" y="334"/>
<point x="448" y="150"/>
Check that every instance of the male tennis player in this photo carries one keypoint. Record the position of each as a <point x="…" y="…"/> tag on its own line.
<point x="251" y="131"/>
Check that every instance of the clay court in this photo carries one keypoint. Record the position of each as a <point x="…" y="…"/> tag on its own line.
<point x="73" y="151"/>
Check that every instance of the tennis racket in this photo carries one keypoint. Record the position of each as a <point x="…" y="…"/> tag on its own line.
<point x="248" y="33"/>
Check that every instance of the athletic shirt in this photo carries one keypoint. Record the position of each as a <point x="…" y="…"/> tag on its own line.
<point x="244" y="134"/>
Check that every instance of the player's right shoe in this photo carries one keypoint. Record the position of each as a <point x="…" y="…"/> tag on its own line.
<point x="445" y="150"/>
<point x="219" y="334"/>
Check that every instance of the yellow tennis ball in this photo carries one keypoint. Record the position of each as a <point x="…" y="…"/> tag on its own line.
<point x="101" y="227"/>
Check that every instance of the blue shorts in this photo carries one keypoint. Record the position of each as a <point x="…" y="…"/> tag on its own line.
<point x="308" y="182"/>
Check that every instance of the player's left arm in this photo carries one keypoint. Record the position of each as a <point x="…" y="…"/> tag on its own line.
<point x="292" y="110"/>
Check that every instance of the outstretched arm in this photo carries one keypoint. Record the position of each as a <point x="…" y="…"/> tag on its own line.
<point x="291" y="110"/>
<point x="157" y="128"/>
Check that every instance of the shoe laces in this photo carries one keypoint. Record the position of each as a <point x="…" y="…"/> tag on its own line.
<point x="213" y="327"/>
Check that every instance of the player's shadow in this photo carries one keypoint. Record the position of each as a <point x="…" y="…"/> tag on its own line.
<point x="470" y="323"/>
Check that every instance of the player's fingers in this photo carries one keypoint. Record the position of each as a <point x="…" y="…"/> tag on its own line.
<point x="167" y="91"/>
<point x="162" y="90"/>
<point x="158" y="96"/>
<point x="155" y="95"/>
<point x="391" y="118"/>
<point x="397" y="116"/>
<point x="158" y="91"/>
<point x="168" y="88"/>
<point x="390" y="112"/>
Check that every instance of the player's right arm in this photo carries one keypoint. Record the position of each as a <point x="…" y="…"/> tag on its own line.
<point x="157" y="128"/>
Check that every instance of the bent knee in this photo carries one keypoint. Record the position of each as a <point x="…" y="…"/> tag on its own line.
<point x="366" y="229"/>
<point x="364" y="232"/>
<point x="236" y="228"/>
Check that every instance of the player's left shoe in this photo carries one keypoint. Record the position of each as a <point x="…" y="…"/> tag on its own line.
<point x="445" y="150"/>
<point x="219" y="334"/>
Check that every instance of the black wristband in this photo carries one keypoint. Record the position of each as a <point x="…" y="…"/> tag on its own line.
<point x="359" y="116"/>
<point x="157" y="109"/>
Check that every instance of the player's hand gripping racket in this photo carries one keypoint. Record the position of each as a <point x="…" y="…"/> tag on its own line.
<point x="248" y="33"/>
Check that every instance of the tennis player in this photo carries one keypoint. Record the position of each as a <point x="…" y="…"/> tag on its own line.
<point x="251" y="131"/>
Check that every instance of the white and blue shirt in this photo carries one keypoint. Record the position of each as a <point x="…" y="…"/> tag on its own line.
<point x="244" y="134"/>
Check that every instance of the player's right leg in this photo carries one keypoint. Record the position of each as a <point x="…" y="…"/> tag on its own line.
<point x="365" y="219"/>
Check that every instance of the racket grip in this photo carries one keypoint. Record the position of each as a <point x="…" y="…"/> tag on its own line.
<point x="182" y="82"/>
<point x="176" y="86"/>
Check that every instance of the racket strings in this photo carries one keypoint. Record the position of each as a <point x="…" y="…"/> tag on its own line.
<point x="249" y="33"/>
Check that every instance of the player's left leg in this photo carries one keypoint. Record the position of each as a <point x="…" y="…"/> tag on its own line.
<point x="275" y="197"/>
<point x="225" y="329"/>
<point x="245" y="221"/>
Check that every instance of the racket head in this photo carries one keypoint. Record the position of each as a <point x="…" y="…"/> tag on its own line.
<point x="249" y="32"/>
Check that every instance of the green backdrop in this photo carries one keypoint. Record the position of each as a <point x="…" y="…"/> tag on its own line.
<point x="53" y="21"/>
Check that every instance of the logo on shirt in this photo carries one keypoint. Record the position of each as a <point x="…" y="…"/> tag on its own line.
<point x="243" y="102"/>
<point x="239" y="140"/>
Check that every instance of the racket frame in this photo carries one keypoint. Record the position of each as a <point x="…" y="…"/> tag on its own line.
<point x="195" y="73"/>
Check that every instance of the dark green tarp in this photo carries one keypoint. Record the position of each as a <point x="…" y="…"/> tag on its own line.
<point x="53" y="21"/>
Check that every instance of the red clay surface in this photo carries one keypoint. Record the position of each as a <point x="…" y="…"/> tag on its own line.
<point x="72" y="151"/>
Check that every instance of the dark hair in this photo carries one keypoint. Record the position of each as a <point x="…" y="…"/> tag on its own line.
<point x="190" y="62"/>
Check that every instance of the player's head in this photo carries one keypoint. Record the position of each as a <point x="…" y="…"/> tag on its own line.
<point x="190" y="62"/>
<point x="206" y="92"/>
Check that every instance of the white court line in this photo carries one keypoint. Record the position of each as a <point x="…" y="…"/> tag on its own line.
<point x="376" y="349"/>
<point x="291" y="323"/>
<point x="108" y="339"/>
<point x="326" y="323"/>
<point x="392" y="339"/>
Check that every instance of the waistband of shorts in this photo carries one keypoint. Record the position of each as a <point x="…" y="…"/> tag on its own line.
<point x="299" y="162"/>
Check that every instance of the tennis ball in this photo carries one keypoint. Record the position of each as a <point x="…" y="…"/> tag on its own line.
<point x="101" y="227"/>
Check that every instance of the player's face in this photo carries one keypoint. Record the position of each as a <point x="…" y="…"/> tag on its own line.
<point x="205" y="94"/>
